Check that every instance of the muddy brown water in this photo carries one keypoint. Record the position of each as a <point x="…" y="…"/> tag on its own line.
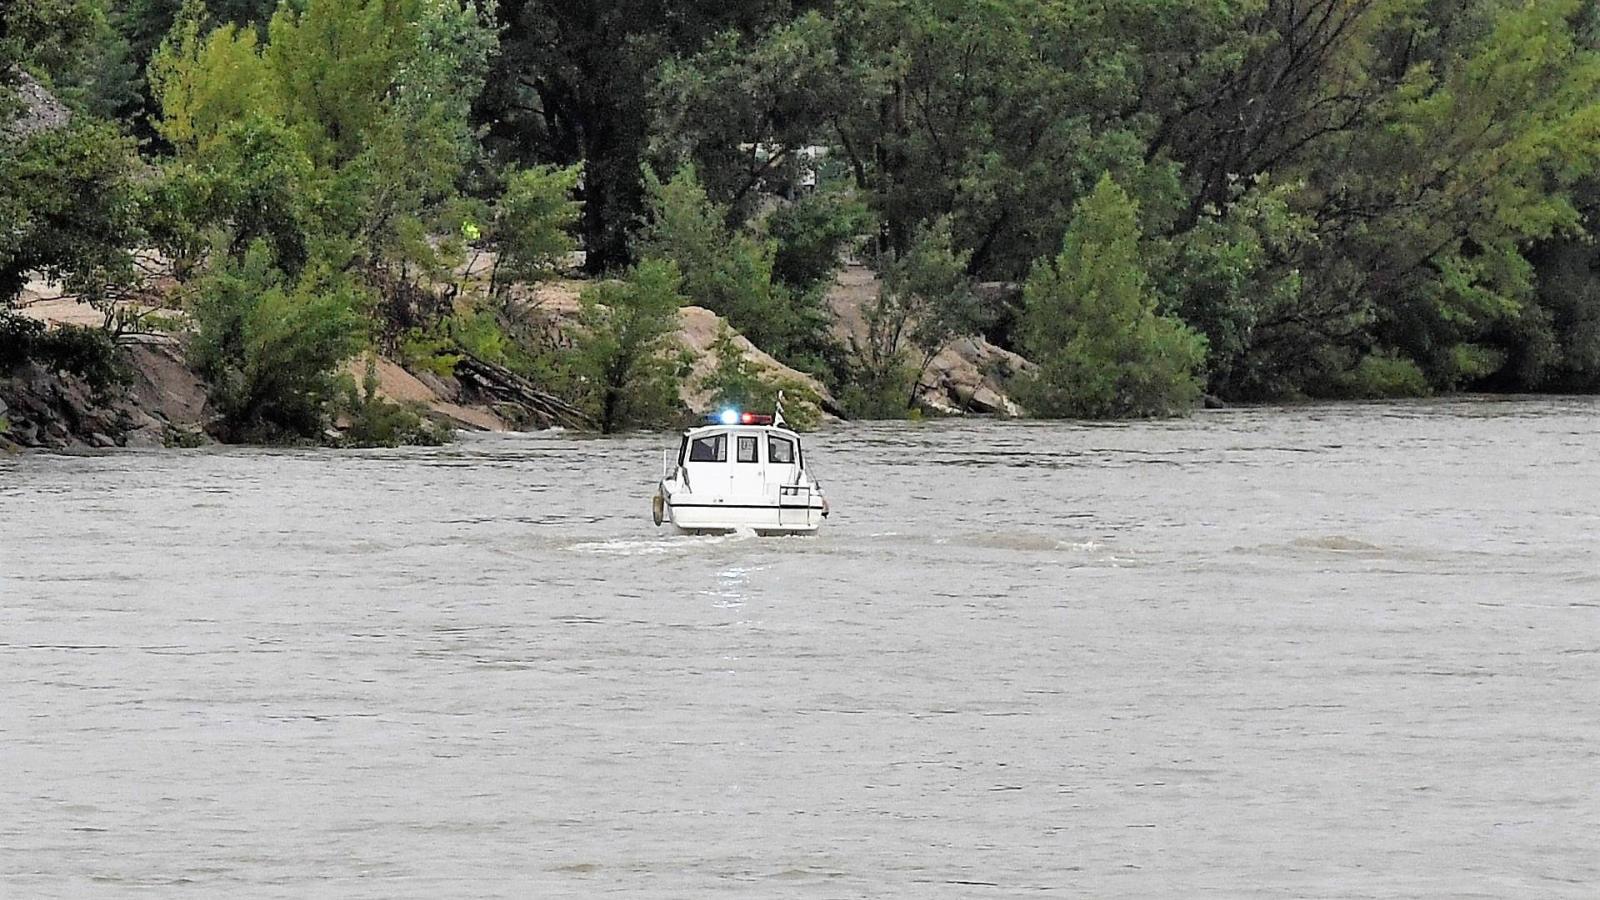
<point x="1345" y="651"/>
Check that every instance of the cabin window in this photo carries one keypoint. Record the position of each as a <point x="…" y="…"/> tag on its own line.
<point x="780" y="451"/>
<point x="747" y="449"/>
<point x="711" y="448"/>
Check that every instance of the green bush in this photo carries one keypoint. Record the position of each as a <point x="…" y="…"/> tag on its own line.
<point x="879" y="393"/>
<point x="1383" y="376"/>
<point x="624" y="366"/>
<point x="738" y="383"/>
<point x="88" y="353"/>
<point x="372" y="421"/>
<point x="19" y="337"/>
<point x="810" y="235"/>
<point x="425" y="350"/>
<point x="269" y="347"/>
<point x="1090" y="323"/>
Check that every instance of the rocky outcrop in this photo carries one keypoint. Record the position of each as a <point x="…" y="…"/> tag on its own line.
<point x="40" y="110"/>
<point x="698" y="329"/>
<point x="161" y="404"/>
<point x="969" y="376"/>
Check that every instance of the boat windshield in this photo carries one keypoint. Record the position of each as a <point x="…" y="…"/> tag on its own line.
<point x="711" y="448"/>
<point x="780" y="450"/>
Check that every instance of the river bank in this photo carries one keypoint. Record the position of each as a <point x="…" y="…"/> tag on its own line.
<point x="161" y="400"/>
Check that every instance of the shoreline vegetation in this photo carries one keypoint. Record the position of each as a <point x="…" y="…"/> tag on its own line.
<point x="371" y="222"/>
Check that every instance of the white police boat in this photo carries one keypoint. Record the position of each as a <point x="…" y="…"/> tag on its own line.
<point x="743" y="472"/>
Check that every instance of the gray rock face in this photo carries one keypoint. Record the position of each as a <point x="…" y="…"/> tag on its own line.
<point x="54" y="410"/>
<point x="969" y="376"/>
<point x="41" y="111"/>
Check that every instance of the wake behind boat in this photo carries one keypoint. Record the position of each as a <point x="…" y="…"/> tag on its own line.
<point x="746" y="471"/>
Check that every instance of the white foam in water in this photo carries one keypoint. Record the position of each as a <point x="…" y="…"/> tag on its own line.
<point x="659" y="546"/>
<point x="653" y="547"/>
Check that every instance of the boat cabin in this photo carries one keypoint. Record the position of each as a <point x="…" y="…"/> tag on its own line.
<point x="751" y="460"/>
<point x="743" y="472"/>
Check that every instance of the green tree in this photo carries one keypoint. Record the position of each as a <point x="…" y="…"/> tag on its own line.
<point x="1431" y="143"/>
<point x="68" y="194"/>
<point x="207" y="81"/>
<point x="44" y="36"/>
<point x="926" y="301"/>
<point x="68" y="207"/>
<point x="997" y="114"/>
<point x="534" y="223"/>
<point x="333" y="148"/>
<point x="1091" y="324"/>
<point x="1225" y="276"/>
<point x="269" y="345"/>
<point x="744" y="108"/>
<point x="372" y="95"/>
<point x="572" y="83"/>
<point x="624" y="358"/>
<point x="730" y="272"/>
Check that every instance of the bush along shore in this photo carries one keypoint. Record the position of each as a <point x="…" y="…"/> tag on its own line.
<point x="355" y="222"/>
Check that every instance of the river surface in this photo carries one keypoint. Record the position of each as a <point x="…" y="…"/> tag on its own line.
<point x="1344" y="651"/>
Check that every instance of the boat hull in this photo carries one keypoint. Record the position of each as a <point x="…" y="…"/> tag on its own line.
<point x="724" y="518"/>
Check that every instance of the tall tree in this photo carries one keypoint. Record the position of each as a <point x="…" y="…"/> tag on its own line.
<point x="572" y="83"/>
<point x="68" y="195"/>
<point x="998" y="114"/>
<point x="624" y="355"/>
<point x="1092" y="324"/>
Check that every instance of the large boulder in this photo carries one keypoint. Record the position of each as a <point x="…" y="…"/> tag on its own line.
<point x="968" y="376"/>
<point x="698" y="329"/>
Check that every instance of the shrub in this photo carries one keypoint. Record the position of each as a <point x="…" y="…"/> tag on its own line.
<point x="739" y="383"/>
<point x="479" y="333"/>
<point x="88" y="353"/>
<point x="927" y="301"/>
<point x="268" y="346"/>
<point x="1090" y="322"/>
<point x="372" y="421"/>
<point x="624" y="363"/>
<point x="878" y="395"/>
<point x="1383" y="376"/>
<point x="428" y="351"/>
<point x="19" y="337"/>
<point x="810" y="234"/>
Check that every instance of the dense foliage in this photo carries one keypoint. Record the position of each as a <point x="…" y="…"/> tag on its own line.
<point x="1251" y="198"/>
<point x="624" y="358"/>
<point x="1091" y="324"/>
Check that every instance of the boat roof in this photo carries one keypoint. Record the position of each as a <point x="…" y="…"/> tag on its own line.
<point x="717" y="428"/>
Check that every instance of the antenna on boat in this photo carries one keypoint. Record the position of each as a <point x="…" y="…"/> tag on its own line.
<point x="777" y="412"/>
